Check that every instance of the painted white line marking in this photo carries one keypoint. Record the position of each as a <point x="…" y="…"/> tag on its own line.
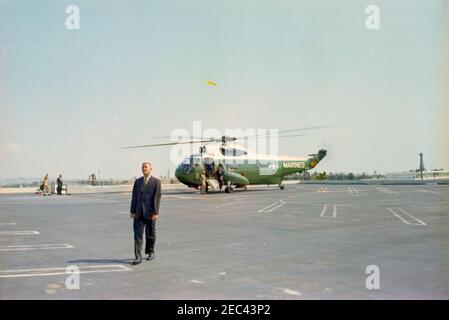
<point x="281" y="203"/>
<point x="413" y="217"/>
<point x="398" y="216"/>
<point x="268" y="207"/>
<point x="123" y="212"/>
<point x="420" y="223"/>
<point x="428" y="191"/>
<point x="224" y="205"/>
<point x="381" y="190"/>
<point x="177" y="197"/>
<point x="61" y="271"/>
<point x="322" y="189"/>
<point x="26" y="247"/>
<point x="334" y="212"/>
<point x="385" y="190"/>
<point x="17" y="233"/>
<point x="292" y="292"/>
<point x="324" y="211"/>
<point x="196" y="281"/>
<point x="355" y="190"/>
<point x="7" y="223"/>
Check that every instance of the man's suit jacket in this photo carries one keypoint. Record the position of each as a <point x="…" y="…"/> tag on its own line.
<point x="146" y="198"/>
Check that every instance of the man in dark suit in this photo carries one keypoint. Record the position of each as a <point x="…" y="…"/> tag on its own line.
<point x="60" y="182"/>
<point x="145" y="211"/>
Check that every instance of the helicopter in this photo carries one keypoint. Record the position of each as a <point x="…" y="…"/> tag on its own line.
<point x="227" y="163"/>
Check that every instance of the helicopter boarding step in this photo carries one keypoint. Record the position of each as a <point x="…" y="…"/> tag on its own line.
<point x="213" y="184"/>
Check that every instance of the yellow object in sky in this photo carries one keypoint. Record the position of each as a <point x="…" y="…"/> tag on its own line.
<point x="211" y="83"/>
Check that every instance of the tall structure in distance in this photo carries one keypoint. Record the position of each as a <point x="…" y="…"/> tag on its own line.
<point x="421" y="165"/>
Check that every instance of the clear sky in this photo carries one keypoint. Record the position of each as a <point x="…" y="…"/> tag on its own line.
<point x="135" y="70"/>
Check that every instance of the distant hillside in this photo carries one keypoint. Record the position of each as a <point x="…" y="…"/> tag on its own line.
<point x="20" y="181"/>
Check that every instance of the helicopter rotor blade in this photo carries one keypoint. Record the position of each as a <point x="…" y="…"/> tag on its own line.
<point x="209" y="139"/>
<point x="280" y="132"/>
<point x="303" y="129"/>
<point x="167" y="144"/>
<point x="268" y="135"/>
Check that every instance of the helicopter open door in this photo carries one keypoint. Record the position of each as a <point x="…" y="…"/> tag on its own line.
<point x="213" y="184"/>
<point x="209" y="166"/>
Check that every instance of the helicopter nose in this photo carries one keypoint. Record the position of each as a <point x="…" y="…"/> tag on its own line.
<point x="181" y="174"/>
<point x="178" y="173"/>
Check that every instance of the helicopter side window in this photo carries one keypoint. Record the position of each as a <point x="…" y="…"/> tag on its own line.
<point x="192" y="159"/>
<point x="233" y="152"/>
<point x="208" y="160"/>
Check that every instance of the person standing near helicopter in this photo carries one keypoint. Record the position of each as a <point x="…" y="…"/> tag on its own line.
<point x="203" y="181"/>
<point x="219" y="175"/>
<point x="59" y="182"/>
<point x="144" y="211"/>
<point x="46" y="186"/>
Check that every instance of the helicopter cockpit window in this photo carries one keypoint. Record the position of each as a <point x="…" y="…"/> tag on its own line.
<point x="233" y="152"/>
<point x="192" y="159"/>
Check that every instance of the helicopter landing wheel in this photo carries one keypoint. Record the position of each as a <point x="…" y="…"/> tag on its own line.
<point x="282" y="187"/>
<point x="229" y="189"/>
